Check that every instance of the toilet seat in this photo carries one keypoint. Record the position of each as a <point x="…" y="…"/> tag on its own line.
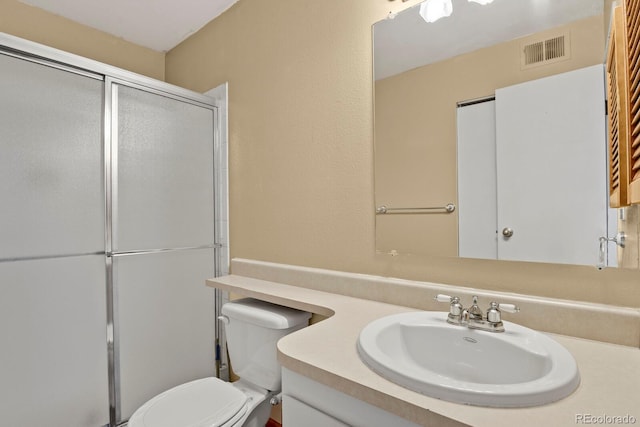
<point x="207" y="402"/>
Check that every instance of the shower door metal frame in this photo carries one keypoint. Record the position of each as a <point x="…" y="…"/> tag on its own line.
<point x="112" y="77"/>
<point x="111" y="227"/>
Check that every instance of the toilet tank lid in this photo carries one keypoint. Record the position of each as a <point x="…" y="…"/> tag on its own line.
<point x="265" y="314"/>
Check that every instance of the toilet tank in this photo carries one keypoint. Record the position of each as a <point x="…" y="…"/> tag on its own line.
<point x="253" y="330"/>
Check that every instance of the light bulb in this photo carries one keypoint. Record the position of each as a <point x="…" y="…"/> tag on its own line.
<point x="432" y="10"/>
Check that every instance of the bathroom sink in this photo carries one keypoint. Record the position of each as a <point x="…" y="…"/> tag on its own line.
<point x="422" y="352"/>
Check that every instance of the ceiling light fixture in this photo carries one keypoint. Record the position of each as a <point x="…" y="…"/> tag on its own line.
<point x="482" y="2"/>
<point x="432" y="10"/>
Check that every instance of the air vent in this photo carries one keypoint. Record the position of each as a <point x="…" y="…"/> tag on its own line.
<point x="546" y="51"/>
<point x="554" y="48"/>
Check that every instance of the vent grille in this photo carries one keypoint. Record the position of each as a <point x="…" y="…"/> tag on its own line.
<point x="554" y="48"/>
<point x="546" y="51"/>
<point x="533" y="53"/>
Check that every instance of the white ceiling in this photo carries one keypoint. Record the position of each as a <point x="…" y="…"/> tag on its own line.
<point x="157" y="24"/>
<point x="407" y="41"/>
<point x="400" y="44"/>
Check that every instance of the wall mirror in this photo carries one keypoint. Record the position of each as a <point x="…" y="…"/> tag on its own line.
<point x="490" y="132"/>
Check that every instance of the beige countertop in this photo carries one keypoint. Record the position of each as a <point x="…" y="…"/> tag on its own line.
<point x="326" y="352"/>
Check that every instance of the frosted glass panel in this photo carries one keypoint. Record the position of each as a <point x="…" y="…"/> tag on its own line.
<point x="53" y="362"/>
<point x="165" y="172"/>
<point x="51" y="175"/>
<point x="166" y="322"/>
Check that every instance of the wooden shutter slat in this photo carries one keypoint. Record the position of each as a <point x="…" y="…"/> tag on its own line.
<point x="635" y="113"/>
<point x="632" y="11"/>
<point x="636" y="165"/>
<point x="617" y="108"/>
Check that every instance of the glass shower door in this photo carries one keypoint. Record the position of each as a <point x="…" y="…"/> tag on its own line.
<point x="162" y="242"/>
<point x="53" y="362"/>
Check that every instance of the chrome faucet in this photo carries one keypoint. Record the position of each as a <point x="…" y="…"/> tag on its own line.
<point x="473" y="317"/>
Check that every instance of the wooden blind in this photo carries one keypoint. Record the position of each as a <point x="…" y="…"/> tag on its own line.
<point x="632" y="12"/>
<point x="617" y="90"/>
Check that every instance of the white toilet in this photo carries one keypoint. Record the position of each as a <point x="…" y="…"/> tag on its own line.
<point x="252" y="328"/>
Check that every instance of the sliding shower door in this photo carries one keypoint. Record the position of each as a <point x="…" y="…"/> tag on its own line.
<point x="53" y="360"/>
<point x="107" y="235"/>
<point x="162" y="242"/>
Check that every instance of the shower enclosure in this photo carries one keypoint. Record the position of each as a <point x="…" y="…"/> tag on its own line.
<point x="107" y="234"/>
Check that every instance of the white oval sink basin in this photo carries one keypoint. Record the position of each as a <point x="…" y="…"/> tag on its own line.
<point x="516" y="368"/>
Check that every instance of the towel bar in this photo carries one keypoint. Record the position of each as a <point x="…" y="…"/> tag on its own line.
<point x="449" y="208"/>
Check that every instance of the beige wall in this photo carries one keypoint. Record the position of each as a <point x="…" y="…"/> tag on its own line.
<point x="301" y="132"/>
<point x="301" y="148"/>
<point x="300" y="125"/>
<point x="629" y="256"/>
<point x="37" y="25"/>
<point x="415" y="140"/>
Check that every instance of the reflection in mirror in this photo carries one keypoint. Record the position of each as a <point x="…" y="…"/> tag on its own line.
<point x="536" y="191"/>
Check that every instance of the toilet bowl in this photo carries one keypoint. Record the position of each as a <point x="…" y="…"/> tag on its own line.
<point x="253" y="329"/>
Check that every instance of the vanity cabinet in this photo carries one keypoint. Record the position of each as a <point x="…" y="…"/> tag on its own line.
<point x="299" y="414"/>
<point x="306" y="402"/>
<point x="623" y="94"/>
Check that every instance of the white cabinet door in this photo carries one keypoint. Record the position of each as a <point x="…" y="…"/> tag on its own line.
<point x="309" y="403"/>
<point x="300" y="414"/>
<point x="551" y="159"/>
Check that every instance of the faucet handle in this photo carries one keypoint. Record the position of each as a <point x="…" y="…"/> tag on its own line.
<point x="494" y="312"/>
<point x="443" y="298"/>
<point x="455" y="308"/>
<point x="509" y="308"/>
